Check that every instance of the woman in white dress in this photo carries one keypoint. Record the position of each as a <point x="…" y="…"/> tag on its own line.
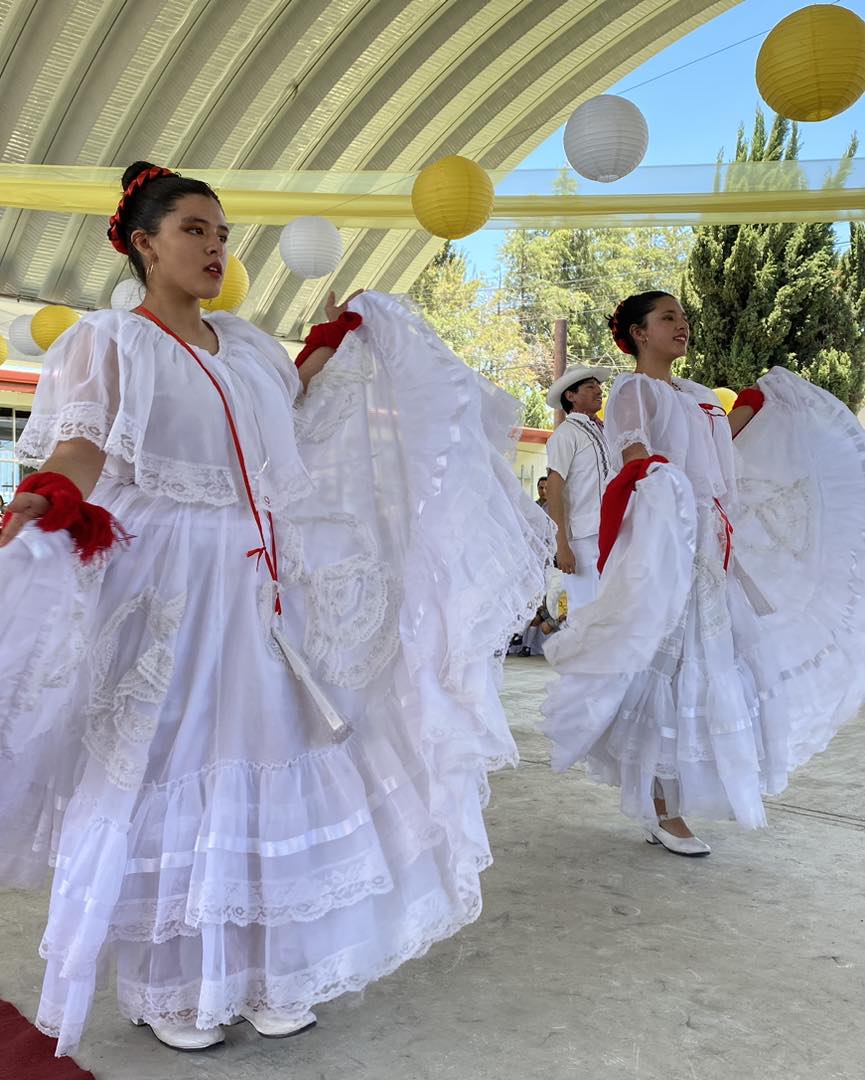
<point x="725" y="646"/>
<point x="252" y="734"/>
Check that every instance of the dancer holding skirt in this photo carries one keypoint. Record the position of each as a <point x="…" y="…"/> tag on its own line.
<point x="724" y="648"/>
<point x="249" y="699"/>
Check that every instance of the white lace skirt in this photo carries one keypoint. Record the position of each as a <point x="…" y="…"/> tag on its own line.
<point x="690" y="718"/>
<point x="213" y="830"/>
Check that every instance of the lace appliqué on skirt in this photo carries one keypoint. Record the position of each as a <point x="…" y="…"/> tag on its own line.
<point x="785" y="514"/>
<point x="352" y="607"/>
<point x="123" y="710"/>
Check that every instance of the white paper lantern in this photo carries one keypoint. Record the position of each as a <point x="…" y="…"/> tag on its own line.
<point x="311" y="247"/>
<point x="606" y="138"/>
<point x="20" y="337"/>
<point x="127" y="294"/>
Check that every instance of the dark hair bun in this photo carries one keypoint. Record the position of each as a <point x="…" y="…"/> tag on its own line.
<point x="632" y="311"/>
<point x="134" y="170"/>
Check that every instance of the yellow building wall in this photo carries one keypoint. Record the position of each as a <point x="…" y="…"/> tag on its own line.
<point x="530" y="463"/>
<point x="11" y="400"/>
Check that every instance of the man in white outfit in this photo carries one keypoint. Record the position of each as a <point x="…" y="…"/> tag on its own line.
<point x="579" y="464"/>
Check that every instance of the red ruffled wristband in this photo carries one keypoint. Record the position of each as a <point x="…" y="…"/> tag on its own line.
<point x="329" y="335"/>
<point x="615" y="502"/>
<point x="752" y="397"/>
<point x="91" y="527"/>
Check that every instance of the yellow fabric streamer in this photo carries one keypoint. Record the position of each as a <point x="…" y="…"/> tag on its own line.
<point x="59" y="190"/>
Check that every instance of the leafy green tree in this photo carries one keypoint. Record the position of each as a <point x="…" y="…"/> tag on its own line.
<point x="581" y="274"/>
<point x="767" y="294"/>
<point x="483" y="331"/>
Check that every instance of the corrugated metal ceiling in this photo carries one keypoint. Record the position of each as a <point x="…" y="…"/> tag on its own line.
<point x="338" y="85"/>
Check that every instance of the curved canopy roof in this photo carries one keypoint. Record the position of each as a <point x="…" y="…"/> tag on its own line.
<point x="321" y="85"/>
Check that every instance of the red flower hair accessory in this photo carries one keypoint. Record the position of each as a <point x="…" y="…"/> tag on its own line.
<point x="618" y="336"/>
<point x="144" y="177"/>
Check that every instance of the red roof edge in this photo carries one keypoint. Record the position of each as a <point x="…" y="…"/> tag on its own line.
<point x="534" y="435"/>
<point x="19" y="382"/>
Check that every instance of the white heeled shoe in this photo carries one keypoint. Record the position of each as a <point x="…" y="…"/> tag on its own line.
<point x="184" y="1036"/>
<point x="275" y="1025"/>
<point x="679" y="845"/>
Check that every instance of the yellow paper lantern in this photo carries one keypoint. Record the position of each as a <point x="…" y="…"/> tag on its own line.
<point x="4" y="350"/>
<point x="452" y="198"/>
<point x="727" y="397"/>
<point x="235" y="286"/>
<point x="50" y="322"/>
<point x="812" y="65"/>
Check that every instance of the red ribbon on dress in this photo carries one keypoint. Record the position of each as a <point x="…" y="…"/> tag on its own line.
<point x="728" y="530"/>
<point x="92" y="528"/>
<point x="615" y="502"/>
<point x="269" y="556"/>
<point x="328" y="335"/>
<point x="712" y="410"/>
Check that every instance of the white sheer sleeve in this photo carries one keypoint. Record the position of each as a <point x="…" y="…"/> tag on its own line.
<point x="79" y="396"/>
<point x="640" y="410"/>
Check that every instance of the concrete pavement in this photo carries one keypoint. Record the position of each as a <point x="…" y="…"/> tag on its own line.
<point x="597" y="957"/>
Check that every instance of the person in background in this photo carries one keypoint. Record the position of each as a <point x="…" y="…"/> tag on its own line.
<point x="541" y="500"/>
<point x="531" y="641"/>
<point x="579" y="464"/>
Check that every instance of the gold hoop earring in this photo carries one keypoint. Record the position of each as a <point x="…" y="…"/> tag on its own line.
<point x="149" y="269"/>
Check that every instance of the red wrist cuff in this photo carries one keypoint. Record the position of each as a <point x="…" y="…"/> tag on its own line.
<point x="63" y="497"/>
<point x="91" y="527"/>
<point x="752" y="397"/>
<point x="615" y="502"/>
<point x="329" y="335"/>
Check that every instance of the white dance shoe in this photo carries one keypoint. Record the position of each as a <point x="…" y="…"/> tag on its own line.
<point x="679" y="845"/>
<point x="275" y="1025"/>
<point x="184" y="1036"/>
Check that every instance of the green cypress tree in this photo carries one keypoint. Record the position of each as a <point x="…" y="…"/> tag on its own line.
<point x="761" y="295"/>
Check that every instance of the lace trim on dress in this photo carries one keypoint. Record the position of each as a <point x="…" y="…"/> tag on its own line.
<point x="207" y="1004"/>
<point x="78" y="420"/>
<point x="350" y="604"/>
<point x="631" y="438"/>
<point x="275" y="493"/>
<point x="352" y="607"/>
<point x="185" y="482"/>
<point x="121" y="437"/>
<point x="244" y="903"/>
<point x="785" y="513"/>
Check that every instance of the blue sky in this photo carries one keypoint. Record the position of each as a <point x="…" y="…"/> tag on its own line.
<point x="694" y="112"/>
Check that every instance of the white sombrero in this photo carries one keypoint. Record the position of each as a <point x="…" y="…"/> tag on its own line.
<point x="574" y="374"/>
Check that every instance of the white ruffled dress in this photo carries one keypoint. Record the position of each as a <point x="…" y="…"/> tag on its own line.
<point x="719" y="682"/>
<point x="208" y="827"/>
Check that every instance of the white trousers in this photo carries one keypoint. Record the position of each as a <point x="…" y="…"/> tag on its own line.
<point x="582" y="587"/>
